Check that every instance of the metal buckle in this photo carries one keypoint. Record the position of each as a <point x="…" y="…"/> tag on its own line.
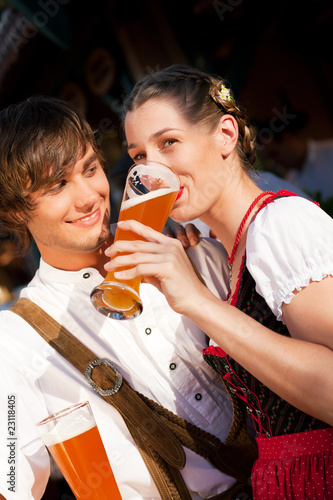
<point x="103" y="392"/>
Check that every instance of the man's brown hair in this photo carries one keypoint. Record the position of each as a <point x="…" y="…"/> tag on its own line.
<point x="41" y="139"/>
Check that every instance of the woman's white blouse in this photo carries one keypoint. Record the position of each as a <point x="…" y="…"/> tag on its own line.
<point x="289" y="244"/>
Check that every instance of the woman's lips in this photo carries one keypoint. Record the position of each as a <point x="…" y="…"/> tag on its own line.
<point x="180" y="192"/>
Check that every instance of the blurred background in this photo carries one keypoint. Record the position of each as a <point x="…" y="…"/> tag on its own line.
<point x="277" y="57"/>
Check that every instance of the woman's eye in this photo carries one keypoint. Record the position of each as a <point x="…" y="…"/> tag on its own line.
<point x="169" y="142"/>
<point x="138" y="157"/>
<point x="166" y="143"/>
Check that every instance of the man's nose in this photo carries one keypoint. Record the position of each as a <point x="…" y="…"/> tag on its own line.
<point x="85" y="195"/>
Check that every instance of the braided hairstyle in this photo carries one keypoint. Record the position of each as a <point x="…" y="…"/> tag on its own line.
<point x="199" y="97"/>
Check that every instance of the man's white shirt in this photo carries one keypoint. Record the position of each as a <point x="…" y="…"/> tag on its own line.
<point x="159" y="354"/>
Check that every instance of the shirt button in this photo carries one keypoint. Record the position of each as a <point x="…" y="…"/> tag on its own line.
<point x="148" y="331"/>
<point x="198" y="396"/>
<point x="86" y="275"/>
<point x="172" y="366"/>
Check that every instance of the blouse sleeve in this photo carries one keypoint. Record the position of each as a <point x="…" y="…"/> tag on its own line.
<point x="289" y="244"/>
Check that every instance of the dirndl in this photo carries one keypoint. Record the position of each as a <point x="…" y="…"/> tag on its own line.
<point x="294" y="466"/>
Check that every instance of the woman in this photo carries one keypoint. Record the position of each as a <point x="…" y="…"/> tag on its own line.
<point x="273" y="337"/>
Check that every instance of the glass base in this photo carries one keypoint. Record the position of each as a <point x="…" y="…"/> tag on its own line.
<point x="116" y="300"/>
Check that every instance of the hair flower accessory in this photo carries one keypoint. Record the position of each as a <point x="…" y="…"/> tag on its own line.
<point x="224" y="94"/>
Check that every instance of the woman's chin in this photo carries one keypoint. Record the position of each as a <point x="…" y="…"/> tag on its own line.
<point x="181" y="216"/>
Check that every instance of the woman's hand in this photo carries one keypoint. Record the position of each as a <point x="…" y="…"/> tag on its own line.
<point x="161" y="261"/>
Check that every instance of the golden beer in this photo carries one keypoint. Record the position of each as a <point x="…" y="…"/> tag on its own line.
<point x="152" y="208"/>
<point x="77" y="449"/>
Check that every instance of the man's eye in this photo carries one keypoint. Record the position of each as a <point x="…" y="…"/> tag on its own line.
<point x="91" y="170"/>
<point x="58" y="187"/>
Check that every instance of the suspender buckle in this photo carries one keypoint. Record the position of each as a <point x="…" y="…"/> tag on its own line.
<point x="103" y="392"/>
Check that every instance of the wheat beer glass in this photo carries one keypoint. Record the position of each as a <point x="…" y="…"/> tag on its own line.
<point x="150" y="192"/>
<point x="74" y="442"/>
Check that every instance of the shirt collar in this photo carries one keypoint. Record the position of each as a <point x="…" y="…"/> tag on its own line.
<point x="50" y="273"/>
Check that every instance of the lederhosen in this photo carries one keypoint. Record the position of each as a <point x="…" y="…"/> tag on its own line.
<point x="295" y="449"/>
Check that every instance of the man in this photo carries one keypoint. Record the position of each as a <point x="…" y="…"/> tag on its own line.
<point x="54" y="190"/>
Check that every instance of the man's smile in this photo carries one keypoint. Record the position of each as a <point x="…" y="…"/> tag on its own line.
<point x="87" y="220"/>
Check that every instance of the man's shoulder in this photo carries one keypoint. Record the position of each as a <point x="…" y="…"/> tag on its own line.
<point x="8" y="318"/>
<point x="208" y="247"/>
<point x="210" y="259"/>
<point x="14" y="336"/>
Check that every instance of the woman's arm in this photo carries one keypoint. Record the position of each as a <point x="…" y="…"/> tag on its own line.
<point x="298" y="369"/>
<point x="309" y="316"/>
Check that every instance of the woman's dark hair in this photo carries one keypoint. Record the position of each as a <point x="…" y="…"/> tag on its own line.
<point x="200" y="98"/>
<point x="41" y="139"/>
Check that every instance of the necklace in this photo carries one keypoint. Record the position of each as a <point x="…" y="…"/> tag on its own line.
<point x="240" y="230"/>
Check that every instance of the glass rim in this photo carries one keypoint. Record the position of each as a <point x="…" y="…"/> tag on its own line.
<point x="147" y="162"/>
<point x="64" y="412"/>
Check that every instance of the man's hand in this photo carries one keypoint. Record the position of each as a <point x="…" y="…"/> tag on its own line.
<point x="189" y="236"/>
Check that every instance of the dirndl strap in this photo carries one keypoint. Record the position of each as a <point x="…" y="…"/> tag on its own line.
<point x="294" y="467"/>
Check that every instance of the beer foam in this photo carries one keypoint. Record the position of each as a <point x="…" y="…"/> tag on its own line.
<point x="67" y="428"/>
<point x="146" y="197"/>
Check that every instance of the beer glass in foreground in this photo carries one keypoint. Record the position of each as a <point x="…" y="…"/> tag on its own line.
<point x="150" y="192"/>
<point x="74" y="442"/>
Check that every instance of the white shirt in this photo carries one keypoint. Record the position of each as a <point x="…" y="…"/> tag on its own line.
<point x="289" y="244"/>
<point x="159" y="353"/>
<point x="317" y="171"/>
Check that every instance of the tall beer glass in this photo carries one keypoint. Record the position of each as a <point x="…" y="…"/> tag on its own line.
<point x="150" y="192"/>
<point x="74" y="442"/>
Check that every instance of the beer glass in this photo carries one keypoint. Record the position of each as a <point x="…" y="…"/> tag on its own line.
<point x="150" y="192"/>
<point x="72" y="438"/>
